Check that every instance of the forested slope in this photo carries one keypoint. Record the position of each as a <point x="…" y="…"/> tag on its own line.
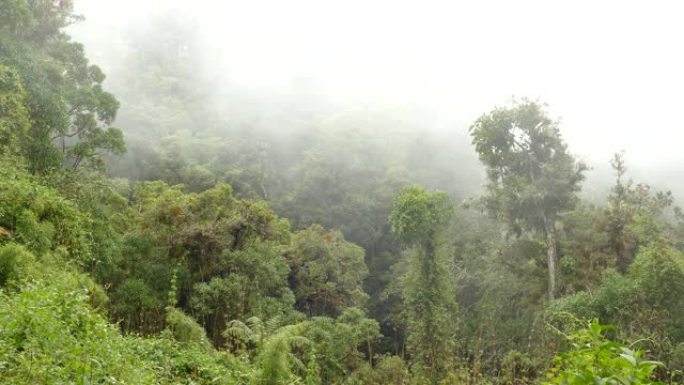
<point x="299" y="246"/>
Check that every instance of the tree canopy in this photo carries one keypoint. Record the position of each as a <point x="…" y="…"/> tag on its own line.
<point x="287" y="241"/>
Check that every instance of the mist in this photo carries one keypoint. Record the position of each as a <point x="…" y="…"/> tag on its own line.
<point x="609" y="71"/>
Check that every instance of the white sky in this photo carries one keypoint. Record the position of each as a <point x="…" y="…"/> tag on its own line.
<point x="612" y="70"/>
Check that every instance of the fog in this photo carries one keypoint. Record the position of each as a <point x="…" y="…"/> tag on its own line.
<point x="611" y="71"/>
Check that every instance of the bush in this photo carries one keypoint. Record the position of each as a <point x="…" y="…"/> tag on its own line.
<point x="593" y="359"/>
<point x="14" y="262"/>
<point x="184" y="328"/>
<point x="49" y="334"/>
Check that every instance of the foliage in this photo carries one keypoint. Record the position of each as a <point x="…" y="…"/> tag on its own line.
<point x="388" y="370"/>
<point x="229" y="256"/>
<point x="419" y="218"/>
<point x="39" y="217"/>
<point x="327" y="272"/>
<point x="531" y="174"/>
<point x="184" y="328"/>
<point x="188" y="273"/>
<point x="14" y="120"/>
<point x="342" y="345"/>
<point x="532" y="178"/>
<point x="51" y="334"/>
<point x="645" y="303"/>
<point x="69" y="111"/>
<point x="277" y="363"/>
<point x="593" y="359"/>
<point x="417" y="214"/>
<point x="15" y="261"/>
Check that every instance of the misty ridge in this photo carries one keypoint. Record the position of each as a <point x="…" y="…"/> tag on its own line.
<point x="344" y="193"/>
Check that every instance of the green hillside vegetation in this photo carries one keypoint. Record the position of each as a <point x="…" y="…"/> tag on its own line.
<point x="204" y="249"/>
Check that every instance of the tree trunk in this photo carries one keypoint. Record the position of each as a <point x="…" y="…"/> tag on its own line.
<point x="552" y="258"/>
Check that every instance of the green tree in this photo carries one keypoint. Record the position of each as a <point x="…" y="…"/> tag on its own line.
<point x="230" y="255"/>
<point x="586" y="247"/>
<point x="646" y="303"/>
<point x="278" y="362"/>
<point x="343" y="345"/>
<point x="327" y="272"/>
<point x="69" y="111"/>
<point x="249" y="282"/>
<point x="532" y="177"/>
<point x="636" y="215"/>
<point x="419" y="219"/>
<point x="14" y="121"/>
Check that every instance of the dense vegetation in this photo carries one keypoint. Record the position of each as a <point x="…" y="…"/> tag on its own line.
<point x="227" y="253"/>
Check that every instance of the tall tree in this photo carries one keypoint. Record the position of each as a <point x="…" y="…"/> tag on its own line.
<point x="14" y="120"/>
<point x="532" y="177"/>
<point x="419" y="219"/>
<point x="630" y="207"/>
<point x="70" y="113"/>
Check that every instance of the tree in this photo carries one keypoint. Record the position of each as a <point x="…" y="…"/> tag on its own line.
<point x="341" y="343"/>
<point x="635" y="215"/>
<point x="419" y="219"/>
<point x="277" y="363"/>
<point x="230" y="256"/>
<point x="14" y="120"/>
<point x="248" y="282"/>
<point x="646" y="303"/>
<point x="532" y="177"/>
<point x="69" y="111"/>
<point x="327" y="272"/>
